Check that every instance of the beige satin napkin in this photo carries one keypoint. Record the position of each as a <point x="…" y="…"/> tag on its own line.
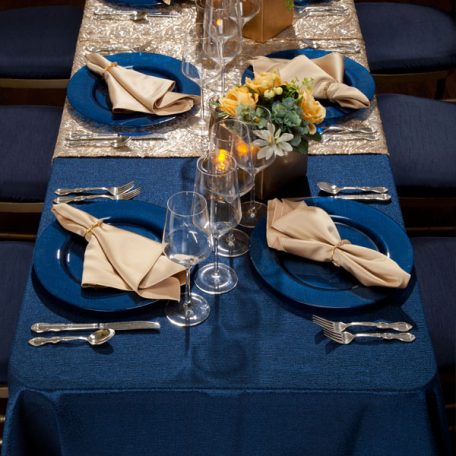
<point x="327" y="73"/>
<point x="132" y="91"/>
<point x="309" y="232"/>
<point x="121" y="259"/>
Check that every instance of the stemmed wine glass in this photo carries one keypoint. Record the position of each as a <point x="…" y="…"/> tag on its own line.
<point x="253" y="210"/>
<point x="187" y="242"/>
<point x="233" y="136"/>
<point x="216" y="179"/>
<point x="225" y="32"/>
<point x="243" y="10"/>
<point x="200" y="68"/>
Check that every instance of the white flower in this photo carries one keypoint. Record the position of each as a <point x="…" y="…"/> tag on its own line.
<point x="272" y="142"/>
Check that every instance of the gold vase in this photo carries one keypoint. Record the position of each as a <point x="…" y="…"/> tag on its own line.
<point x="284" y="178"/>
<point x="274" y="16"/>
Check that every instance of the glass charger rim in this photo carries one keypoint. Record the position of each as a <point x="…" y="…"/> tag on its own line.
<point x="47" y="264"/>
<point x="82" y="85"/>
<point x="266" y="264"/>
<point x="335" y="112"/>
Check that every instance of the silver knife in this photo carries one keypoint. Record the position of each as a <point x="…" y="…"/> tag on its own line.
<point x="368" y="197"/>
<point x="117" y="326"/>
<point x="109" y="137"/>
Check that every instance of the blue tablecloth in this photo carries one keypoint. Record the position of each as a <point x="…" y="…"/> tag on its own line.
<point x="257" y="378"/>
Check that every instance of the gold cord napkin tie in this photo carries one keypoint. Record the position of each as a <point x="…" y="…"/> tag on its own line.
<point x="122" y="259"/>
<point x="337" y="246"/>
<point x="108" y="68"/>
<point x="309" y="232"/>
<point x="92" y="227"/>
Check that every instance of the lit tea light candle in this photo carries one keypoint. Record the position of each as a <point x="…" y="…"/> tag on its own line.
<point x="219" y="24"/>
<point x="221" y="160"/>
<point x="242" y="148"/>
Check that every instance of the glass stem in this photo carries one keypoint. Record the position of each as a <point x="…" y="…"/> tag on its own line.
<point x="203" y="108"/>
<point x="188" y="298"/>
<point x="216" y="271"/>
<point x="252" y="198"/>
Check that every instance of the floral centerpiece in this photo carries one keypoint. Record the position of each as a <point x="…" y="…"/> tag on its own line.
<point x="294" y="112"/>
<point x="294" y="116"/>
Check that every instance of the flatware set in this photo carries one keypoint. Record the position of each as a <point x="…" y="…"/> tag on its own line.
<point x="335" y="330"/>
<point x="79" y="194"/>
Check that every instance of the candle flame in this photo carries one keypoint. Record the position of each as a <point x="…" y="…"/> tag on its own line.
<point x="242" y="148"/>
<point x="221" y="159"/>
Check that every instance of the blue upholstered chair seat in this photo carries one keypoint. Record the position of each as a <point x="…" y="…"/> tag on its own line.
<point x="38" y="42"/>
<point x="435" y="263"/>
<point x="403" y="38"/>
<point x="27" y="140"/>
<point x="421" y="139"/>
<point x="15" y="258"/>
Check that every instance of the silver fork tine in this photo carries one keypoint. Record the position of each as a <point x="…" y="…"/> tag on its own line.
<point x="131" y="194"/>
<point x="323" y="322"/>
<point x="336" y="337"/>
<point x="125" y="187"/>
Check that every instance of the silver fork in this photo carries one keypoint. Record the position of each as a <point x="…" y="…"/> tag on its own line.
<point x="339" y="326"/>
<point x="74" y="199"/>
<point x="347" y="337"/>
<point x="112" y="190"/>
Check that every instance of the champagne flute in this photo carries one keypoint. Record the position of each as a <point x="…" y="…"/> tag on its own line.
<point x="233" y="136"/>
<point x="253" y="211"/>
<point x="186" y="242"/>
<point x="201" y="69"/>
<point x="216" y="180"/>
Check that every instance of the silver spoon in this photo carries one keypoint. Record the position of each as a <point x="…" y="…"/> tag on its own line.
<point x="96" y="338"/>
<point x="334" y="189"/>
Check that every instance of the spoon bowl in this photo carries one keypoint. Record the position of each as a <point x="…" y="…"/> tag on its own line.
<point x="101" y="336"/>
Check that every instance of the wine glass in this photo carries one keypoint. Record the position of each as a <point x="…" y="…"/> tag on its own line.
<point x="197" y="66"/>
<point x="233" y="136"/>
<point x="216" y="180"/>
<point x="243" y="11"/>
<point x="225" y="32"/>
<point x="187" y="242"/>
<point x="253" y="210"/>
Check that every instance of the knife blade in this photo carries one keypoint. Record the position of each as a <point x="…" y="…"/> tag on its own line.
<point x="117" y="326"/>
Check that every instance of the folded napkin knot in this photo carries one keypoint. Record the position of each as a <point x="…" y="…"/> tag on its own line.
<point x="108" y="68"/>
<point x="337" y="246"/>
<point x="92" y="227"/>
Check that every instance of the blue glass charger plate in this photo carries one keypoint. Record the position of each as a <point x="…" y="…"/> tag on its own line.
<point x="88" y="92"/>
<point x="324" y="285"/>
<point x="303" y="3"/>
<point x="355" y="75"/>
<point x="59" y="255"/>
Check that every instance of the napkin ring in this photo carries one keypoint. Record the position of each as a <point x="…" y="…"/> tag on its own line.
<point x="338" y="245"/>
<point x="108" y="68"/>
<point x="92" y="227"/>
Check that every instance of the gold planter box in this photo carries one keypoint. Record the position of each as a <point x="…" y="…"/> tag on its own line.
<point x="274" y="16"/>
<point x="286" y="177"/>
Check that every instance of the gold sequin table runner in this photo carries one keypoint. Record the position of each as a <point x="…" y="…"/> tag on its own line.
<point x="167" y="35"/>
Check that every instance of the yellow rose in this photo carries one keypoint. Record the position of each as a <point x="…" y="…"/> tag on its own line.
<point x="312" y="110"/>
<point x="263" y="82"/>
<point x="235" y="97"/>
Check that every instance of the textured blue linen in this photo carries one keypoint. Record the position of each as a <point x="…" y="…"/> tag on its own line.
<point x="15" y="261"/>
<point x="401" y="38"/>
<point x="27" y="141"/>
<point x="38" y="42"/>
<point x="438" y="290"/>
<point x="257" y="378"/>
<point x="421" y="140"/>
